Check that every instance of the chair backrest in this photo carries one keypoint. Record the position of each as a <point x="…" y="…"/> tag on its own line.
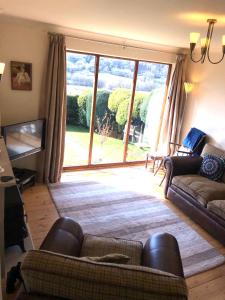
<point x="195" y="140"/>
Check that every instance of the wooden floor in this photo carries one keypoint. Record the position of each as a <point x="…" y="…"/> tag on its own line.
<point x="42" y="213"/>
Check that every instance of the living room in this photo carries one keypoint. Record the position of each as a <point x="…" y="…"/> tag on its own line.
<point x="139" y="33"/>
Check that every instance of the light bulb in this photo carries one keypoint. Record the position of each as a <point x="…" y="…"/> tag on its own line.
<point x="194" y="36"/>
<point x="2" y="67"/>
<point x="223" y="40"/>
<point x="203" y="42"/>
<point x="188" y="86"/>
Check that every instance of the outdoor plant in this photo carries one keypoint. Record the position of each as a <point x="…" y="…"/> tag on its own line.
<point x="101" y="106"/>
<point x="122" y="111"/>
<point x="116" y="97"/>
<point x="104" y="127"/>
<point x="72" y="110"/>
<point x="82" y="106"/>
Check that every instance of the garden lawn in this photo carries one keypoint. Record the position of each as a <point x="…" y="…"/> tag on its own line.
<point x="110" y="151"/>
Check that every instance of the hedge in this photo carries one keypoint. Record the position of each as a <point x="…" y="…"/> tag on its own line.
<point x="72" y="110"/>
<point x="122" y="111"/>
<point x="101" y="106"/>
<point x="82" y="106"/>
<point x="116" y="97"/>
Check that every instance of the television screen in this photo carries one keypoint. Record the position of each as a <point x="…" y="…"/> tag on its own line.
<point x="24" y="138"/>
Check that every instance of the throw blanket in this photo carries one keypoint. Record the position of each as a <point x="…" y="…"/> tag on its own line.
<point x="193" y="138"/>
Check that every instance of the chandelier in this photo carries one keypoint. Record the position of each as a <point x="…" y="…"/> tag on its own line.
<point x="2" y="67"/>
<point x="205" y="44"/>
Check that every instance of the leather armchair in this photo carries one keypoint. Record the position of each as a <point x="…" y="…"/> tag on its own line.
<point x="160" y="254"/>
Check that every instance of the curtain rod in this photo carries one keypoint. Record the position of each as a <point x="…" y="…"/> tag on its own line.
<point x="124" y="46"/>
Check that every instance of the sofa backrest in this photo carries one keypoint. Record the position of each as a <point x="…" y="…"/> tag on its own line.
<point x="213" y="150"/>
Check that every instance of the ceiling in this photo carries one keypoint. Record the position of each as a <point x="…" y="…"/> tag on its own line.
<point x="165" y="22"/>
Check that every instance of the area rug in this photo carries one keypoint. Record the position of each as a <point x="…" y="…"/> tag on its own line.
<point x="110" y="209"/>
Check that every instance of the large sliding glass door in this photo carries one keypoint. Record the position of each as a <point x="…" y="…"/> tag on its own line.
<point x="112" y="105"/>
<point x="80" y="81"/>
<point x="147" y="109"/>
<point x="113" y="97"/>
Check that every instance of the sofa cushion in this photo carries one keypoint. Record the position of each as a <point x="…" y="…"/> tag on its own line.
<point x="200" y="188"/>
<point x="100" y="246"/>
<point x="212" y="167"/>
<point x="114" y="258"/>
<point x="68" y="277"/>
<point x="210" y="149"/>
<point x="217" y="207"/>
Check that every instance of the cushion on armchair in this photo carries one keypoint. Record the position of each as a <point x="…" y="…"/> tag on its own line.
<point x="100" y="246"/>
<point x="76" y="278"/>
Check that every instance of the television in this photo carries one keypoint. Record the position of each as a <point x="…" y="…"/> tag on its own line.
<point x="23" y="139"/>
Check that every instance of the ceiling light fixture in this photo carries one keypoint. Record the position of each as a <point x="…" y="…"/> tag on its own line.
<point x="2" y="67"/>
<point x="205" y="44"/>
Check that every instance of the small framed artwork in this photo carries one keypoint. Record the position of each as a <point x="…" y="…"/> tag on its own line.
<point x="21" y="76"/>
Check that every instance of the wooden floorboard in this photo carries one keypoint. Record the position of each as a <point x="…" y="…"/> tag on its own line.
<point x="42" y="213"/>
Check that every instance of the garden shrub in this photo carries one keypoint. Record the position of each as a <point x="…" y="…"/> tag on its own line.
<point x="72" y="110"/>
<point x="122" y="111"/>
<point x="117" y="97"/>
<point x="82" y="106"/>
<point x="139" y="97"/>
<point x="101" y="106"/>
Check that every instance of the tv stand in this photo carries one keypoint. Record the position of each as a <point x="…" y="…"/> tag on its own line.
<point x="24" y="178"/>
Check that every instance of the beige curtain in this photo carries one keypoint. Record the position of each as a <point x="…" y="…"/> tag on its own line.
<point x="172" y="117"/>
<point x="55" y="100"/>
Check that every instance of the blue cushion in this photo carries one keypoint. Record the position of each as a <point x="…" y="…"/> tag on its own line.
<point x="212" y="167"/>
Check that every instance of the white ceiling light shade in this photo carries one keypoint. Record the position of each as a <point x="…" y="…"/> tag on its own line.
<point x="2" y="67"/>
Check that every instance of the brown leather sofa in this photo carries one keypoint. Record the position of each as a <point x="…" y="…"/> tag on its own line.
<point x="202" y="199"/>
<point x="66" y="240"/>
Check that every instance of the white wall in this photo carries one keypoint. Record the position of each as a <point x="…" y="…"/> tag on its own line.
<point x="27" y="41"/>
<point x="205" y="107"/>
<point x="20" y="42"/>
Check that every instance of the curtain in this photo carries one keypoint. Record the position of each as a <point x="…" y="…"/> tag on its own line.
<point x="55" y="110"/>
<point x="172" y="117"/>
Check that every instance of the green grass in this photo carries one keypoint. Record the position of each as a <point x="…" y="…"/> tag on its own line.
<point x="105" y="149"/>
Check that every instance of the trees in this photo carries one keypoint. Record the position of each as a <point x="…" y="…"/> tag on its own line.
<point x="82" y="106"/>
<point x="117" y="97"/>
<point x="116" y="104"/>
<point x="119" y="101"/>
<point x="72" y="110"/>
<point x="101" y="106"/>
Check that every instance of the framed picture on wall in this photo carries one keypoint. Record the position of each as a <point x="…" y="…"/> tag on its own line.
<point x="21" y="76"/>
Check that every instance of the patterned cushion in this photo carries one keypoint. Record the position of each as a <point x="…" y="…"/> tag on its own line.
<point x="75" y="278"/>
<point x="100" y="246"/>
<point x="211" y="149"/>
<point x="212" y="167"/>
<point x="217" y="207"/>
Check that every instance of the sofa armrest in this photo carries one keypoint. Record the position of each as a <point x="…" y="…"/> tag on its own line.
<point x="180" y="165"/>
<point x="161" y="252"/>
<point x="65" y="237"/>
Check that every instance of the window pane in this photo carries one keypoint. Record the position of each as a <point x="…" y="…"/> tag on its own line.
<point x="80" y="79"/>
<point x="147" y="108"/>
<point x="113" y="96"/>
